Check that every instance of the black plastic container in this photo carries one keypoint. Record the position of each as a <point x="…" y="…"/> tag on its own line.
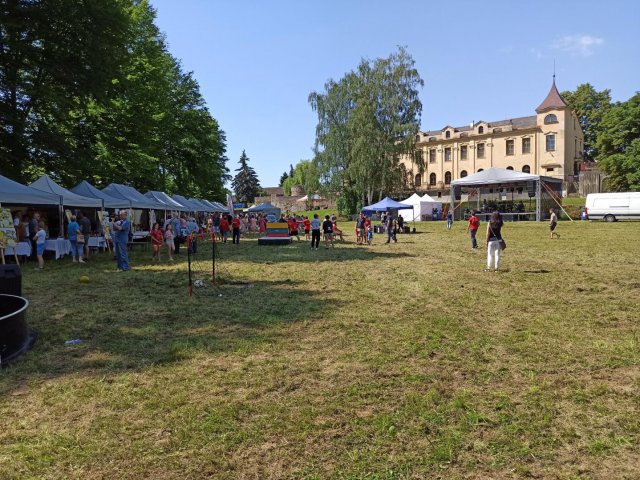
<point x="15" y="337"/>
<point x="10" y="280"/>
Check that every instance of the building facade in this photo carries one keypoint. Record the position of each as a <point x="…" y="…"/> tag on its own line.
<point x="548" y="143"/>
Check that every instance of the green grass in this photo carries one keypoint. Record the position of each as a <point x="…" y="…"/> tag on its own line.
<point x="382" y="362"/>
<point x="321" y="213"/>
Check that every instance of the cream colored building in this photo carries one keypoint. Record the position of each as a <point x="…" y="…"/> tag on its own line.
<point x="548" y="143"/>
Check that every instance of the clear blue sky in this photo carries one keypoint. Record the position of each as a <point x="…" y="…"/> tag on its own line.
<point x="257" y="61"/>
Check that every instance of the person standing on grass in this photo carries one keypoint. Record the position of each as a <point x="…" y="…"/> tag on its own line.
<point x="327" y="229"/>
<point x="120" y="229"/>
<point x="39" y="239"/>
<point x="169" y="240"/>
<point x="315" y="232"/>
<point x="307" y="228"/>
<point x="76" y="249"/>
<point x="449" y="219"/>
<point x="360" y="238"/>
<point x="391" y="229"/>
<point x="235" y="224"/>
<point x="224" y="228"/>
<point x="553" y="222"/>
<point x="474" y="224"/>
<point x="156" y="241"/>
<point x="494" y="240"/>
<point x="85" y="229"/>
<point x="262" y="224"/>
<point x="293" y="227"/>
<point x="34" y="223"/>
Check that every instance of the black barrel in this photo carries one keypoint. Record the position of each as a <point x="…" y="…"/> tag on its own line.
<point x="10" y="280"/>
<point x="15" y="337"/>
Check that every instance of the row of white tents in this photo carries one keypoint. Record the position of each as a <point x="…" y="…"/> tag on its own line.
<point x="45" y="191"/>
<point x="422" y="207"/>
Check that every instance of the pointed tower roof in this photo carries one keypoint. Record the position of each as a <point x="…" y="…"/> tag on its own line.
<point x="553" y="101"/>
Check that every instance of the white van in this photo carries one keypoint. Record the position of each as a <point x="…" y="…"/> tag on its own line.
<point x="613" y="206"/>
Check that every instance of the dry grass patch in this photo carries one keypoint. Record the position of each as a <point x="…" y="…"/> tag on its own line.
<point x="382" y="362"/>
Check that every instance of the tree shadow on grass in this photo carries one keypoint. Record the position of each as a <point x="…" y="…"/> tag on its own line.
<point x="130" y="321"/>
<point x="301" y="252"/>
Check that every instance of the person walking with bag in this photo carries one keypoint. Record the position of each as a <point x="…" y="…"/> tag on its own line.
<point x="495" y="242"/>
<point x="73" y="229"/>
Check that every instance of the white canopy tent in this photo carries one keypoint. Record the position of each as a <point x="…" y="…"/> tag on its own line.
<point x="507" y="178"/>
<point x="422" y="206"/>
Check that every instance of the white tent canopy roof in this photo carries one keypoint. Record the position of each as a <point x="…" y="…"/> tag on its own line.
<point x="16" y="193"/>
<point x="493" y="176"/>
<point x="46" y="184"/>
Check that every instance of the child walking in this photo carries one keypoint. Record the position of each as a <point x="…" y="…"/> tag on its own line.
<point x="169" y="240"/>
<point x="40" y="238"/>
<point x="156" y="241"/>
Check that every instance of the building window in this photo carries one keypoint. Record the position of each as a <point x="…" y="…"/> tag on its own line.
<point x="510" y="168"/>
<point x="511" y="149"/>
<point x="480" y="130"/>
<point x="447" y="154"/>
<point x="432" y="179"/>
<point x="480" y="169"/>
<point x="526" y="145"/>
<point x="447" y="178"/>
<point x="463" y="152"/>
<point x="418" y="180"/>
<point x="550" y="169"/>
<point x="448" y="134"/>
<point x="418" y="156"/>
<point x="432" y="139"/>
<point x="463" y="173"/>
<point x="417" y="138"/>
<point x="481" y="150"/>
<point x="526" y="169"/>
<point x="551" y="118"/>
<point x="439" y="194"/>
<point x="432" y="155"/>
<point x="551" y="143"/>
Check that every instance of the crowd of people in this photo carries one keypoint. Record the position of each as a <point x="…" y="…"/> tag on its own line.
<point x="176" y="230"/>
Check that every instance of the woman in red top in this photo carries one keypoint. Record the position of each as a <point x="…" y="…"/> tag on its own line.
<point x="262" y="223"/>
<point x="235" y="224"/>
<point x="307" y="228"/>
<point x="293" y="228"/>
<point x="156" y="241"/>
<point x="224" y="228"/>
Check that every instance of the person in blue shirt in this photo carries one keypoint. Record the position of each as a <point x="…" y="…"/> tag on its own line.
<point x="192" y="232"/>
<point x="120" y="231"/>
<point x="76" y="249"/>
<point x="449" y="219"/>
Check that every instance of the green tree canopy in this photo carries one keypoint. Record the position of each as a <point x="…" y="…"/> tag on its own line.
<point x="366" y="121"/>
<point x="618" y="144"/>
<point x="590" y="107"/>
<point x="90" y="91"/>
<point x="245" y="184"/>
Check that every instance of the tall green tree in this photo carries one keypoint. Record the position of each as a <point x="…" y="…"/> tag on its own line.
<point x="88" y="90"/>
<point x="366" y="121"/>
<point x="283" y="177"/>
<point x="618" y="144"/>
<point x="590" y="107"/>
<point x="245" y="184"/>
<point x="56" y="57"/>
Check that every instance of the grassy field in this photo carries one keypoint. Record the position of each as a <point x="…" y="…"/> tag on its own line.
<point x="382" y="362"/>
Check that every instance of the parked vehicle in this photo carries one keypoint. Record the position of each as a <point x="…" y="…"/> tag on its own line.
<point x="613" y="206"/>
